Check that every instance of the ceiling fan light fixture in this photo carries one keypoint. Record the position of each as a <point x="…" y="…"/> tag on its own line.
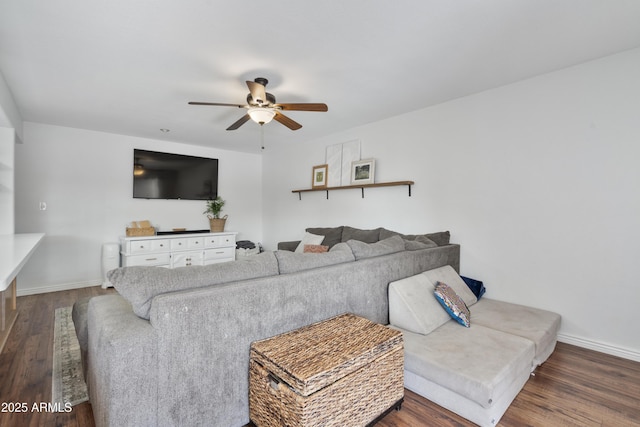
<point x="261" y="115"/>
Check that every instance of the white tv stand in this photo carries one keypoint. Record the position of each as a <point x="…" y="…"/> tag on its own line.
<point x="178" y="250"/>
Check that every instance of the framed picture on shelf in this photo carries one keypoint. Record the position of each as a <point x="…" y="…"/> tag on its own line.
<point x="319" y="176"/>
<point x="363" y="171"/>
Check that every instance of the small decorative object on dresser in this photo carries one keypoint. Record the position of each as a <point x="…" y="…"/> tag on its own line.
<point x="214" y="207"/>
<point x="363" y="171"/>
<point x="319" y="176"/>
<point x="140" y="228"/>
<point x="344" y="371"/>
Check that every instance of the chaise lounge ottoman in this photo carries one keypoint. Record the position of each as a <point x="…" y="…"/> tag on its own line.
<point x="474" y="371"/>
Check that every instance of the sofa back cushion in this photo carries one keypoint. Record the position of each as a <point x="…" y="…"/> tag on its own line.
<point x="363" y="250"/>
<point x="420" y="242"/>
<point x="440" y="238"/>
<point x="367" y="236"/>
<point x="139" y="285"/>
<point x="332" y="235"/>
<point x="290" y="262"/>
<point x="413" y="307"/>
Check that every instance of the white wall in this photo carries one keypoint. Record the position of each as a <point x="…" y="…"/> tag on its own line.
<point x="85" y="178"/>
<point x="538" y="181"/>
<point x="10" y="133"/>
<point x="9" y="115"/>
<point x="7" y="144"/>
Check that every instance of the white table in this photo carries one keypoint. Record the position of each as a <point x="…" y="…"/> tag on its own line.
<point x="15" y="250"/>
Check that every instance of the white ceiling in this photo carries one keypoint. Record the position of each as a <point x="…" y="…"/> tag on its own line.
<point x="130" y="67"/>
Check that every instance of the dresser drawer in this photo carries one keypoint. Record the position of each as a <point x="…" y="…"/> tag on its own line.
<point x="140" y="246"/>
<point x="195" y="243"/>
<point x="218" y="241"/>
<point x="178" y="244"/>
<point x="186" y="259"/>
<point x="224" y="254"/>
<point x="163" y="245"/>
<point x="147" y="260"/>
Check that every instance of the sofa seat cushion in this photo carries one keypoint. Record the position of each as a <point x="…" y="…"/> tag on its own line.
<point x="478" y="363"/>
<point x="539" y="326"/>
<point x="291" y="262"/>
<point x="139" y="285"/>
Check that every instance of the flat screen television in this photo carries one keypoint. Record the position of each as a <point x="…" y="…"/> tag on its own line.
<point x="174" y="176"/>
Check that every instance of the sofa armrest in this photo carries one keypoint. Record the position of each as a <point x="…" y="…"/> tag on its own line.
<point x="122" y="363"/>
<point x="288" y="246"/>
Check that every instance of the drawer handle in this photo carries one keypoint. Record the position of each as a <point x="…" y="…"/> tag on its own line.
<point x="220" y="252"/>
<point x="151" y="259"/>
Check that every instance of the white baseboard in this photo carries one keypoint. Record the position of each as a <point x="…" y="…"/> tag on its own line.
<point x="57" y="288"/>
<point x="598" y="346"/>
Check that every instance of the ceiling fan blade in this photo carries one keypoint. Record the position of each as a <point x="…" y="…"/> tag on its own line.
<point x="220" y="104"/>
<point x="303" y="107"/>
<point x="291" y="124"/>
<point x="242" y="120"/>
<point x="258" y="92"/>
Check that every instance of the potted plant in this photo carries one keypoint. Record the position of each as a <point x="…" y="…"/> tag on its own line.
<point x="214" y="207"/>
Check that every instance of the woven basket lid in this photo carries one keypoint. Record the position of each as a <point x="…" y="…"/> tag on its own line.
<point x="310" y="358"/>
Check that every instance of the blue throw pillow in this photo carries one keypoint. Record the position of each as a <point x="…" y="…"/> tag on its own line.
<point x="453" y="304"/>
<point x="476" y="286"/>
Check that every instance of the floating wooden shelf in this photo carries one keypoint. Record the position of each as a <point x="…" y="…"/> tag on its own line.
<point x="361" y="187"/>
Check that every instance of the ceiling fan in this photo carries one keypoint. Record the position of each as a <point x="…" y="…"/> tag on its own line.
<point x="262" y="107"/>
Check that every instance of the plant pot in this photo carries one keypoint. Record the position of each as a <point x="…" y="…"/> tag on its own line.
<point x="216" y="225"/>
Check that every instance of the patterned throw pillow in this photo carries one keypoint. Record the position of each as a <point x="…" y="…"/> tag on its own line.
<point x="453" y="304"/>
<point x="316" y="249"/>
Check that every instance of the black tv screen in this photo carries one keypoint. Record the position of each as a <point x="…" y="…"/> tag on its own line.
<point x="174" y="176"/>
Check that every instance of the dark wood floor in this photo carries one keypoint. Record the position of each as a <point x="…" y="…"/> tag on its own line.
<point x="575" y="387"/>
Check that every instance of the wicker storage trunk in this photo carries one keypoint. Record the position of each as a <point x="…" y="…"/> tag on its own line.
<point x="344" y="371"/>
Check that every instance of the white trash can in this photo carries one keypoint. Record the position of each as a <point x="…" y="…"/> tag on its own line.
<point x="110" y="260"/>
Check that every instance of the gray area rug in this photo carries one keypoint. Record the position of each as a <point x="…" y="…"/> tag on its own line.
<point x="68" y="384"/>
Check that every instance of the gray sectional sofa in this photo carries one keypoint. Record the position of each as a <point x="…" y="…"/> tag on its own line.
<point x="474" y="371"/>
<point x="172" y="347"/>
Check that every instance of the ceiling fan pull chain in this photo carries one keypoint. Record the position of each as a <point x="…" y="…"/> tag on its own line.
<point x="262" y="135"/>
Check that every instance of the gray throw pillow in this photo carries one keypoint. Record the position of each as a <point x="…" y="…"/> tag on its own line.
<point x="290" y="262"/>
<point x="441" y="238"/>
<point x="420" y="242"/>
<point x="367" y="236"/>
<point x="363" y="250"/>
<point x="332" y="235"/>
